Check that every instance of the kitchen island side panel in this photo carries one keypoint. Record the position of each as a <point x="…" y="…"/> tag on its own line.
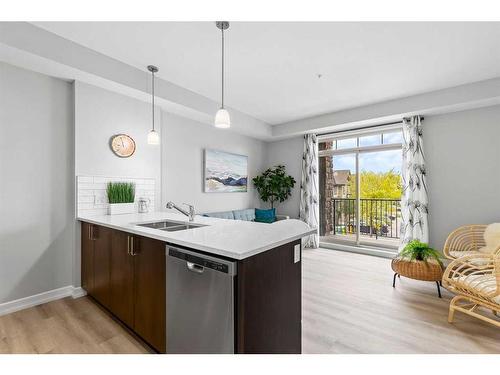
<point x="269" y="309"/>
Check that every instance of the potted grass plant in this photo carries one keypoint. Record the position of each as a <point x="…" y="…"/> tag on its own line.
<point x="121" y="197"/>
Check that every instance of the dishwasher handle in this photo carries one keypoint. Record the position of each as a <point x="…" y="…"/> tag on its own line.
<point x="199" y="263"/>
<point x="193" y="267"/>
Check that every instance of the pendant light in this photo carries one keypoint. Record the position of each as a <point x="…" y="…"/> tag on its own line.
<point x="222" y="118"/>
<point x="153" y="136"/>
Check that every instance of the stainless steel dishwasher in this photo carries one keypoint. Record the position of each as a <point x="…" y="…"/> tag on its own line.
<point x="200" y="303"/>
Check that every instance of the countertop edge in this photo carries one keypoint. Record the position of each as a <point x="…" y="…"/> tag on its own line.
<point x="131" y="229"/>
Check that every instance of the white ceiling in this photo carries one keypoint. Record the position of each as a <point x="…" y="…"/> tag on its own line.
<point x="271" y="68"/>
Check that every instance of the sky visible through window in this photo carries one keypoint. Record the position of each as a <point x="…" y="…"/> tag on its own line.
<point x="380" y="161"/>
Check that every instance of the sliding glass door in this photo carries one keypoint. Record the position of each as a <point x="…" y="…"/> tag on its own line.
<point x="360" y="189"/>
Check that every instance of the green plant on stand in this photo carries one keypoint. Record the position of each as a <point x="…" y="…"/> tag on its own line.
<point x="274" y="185"/>
<point x="120" y="192"/>
<point x="416" y="250"/>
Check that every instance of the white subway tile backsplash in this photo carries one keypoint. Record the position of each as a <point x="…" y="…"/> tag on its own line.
<point x="92" y="198"/>
<point x="85" y="179"/>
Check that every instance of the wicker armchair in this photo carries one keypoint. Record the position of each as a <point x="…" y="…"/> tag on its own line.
<point x="476" y="281"/>
<point x="466" y="240"/>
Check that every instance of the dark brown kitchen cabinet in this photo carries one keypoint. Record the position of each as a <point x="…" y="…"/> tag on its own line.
<point x="95" y="261"/>
<point x="150" y="293"/>
<point x="101" y="237"/>
<point x="121" y="288"/>
<point x="126" y="274"/>
<point x="87" y="258"/>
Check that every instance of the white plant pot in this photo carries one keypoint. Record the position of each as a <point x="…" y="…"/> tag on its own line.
<point x="121" y="208"/>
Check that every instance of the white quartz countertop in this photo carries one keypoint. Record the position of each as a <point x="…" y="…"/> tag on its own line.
<point x="230" y="238"/>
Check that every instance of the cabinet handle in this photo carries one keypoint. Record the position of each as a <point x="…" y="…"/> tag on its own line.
<point x="132" y="250"/>
<point x="128" y="245"/>
<point x="88" y="231"/>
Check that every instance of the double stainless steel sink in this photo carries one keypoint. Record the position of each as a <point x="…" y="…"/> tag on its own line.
<point x="170" y="226"/>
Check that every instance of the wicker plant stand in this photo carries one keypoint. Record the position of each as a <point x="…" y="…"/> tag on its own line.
<point x="417" y="270"/>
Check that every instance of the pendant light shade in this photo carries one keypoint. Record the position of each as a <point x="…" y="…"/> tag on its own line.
<point x="153" y="136"/>
<point x="222" y="118"/>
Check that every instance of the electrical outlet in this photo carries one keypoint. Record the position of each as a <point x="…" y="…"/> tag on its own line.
<point x="100" y="199"/>
<point x="296" y="253"/>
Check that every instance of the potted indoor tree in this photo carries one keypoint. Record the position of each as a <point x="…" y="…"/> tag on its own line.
<point x="121" y="197"/>
<point x="274" y="185"/>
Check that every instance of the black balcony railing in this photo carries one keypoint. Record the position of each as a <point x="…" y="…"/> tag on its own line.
<point x="378" y="217"/>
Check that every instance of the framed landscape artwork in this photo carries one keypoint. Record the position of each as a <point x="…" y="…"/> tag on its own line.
<point x="225" y="172"/>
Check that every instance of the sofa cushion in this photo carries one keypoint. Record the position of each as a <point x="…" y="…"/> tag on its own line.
<point x="247" y="214"/>
<point x="222" y="215"/>
<point x="265" y="216"/>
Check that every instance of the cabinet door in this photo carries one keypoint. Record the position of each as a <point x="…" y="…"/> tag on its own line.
<point x="150" y="289"/>
<point x="102" y="247"/>
<point x="87" y="269"/>
<point x="122" y="278"/>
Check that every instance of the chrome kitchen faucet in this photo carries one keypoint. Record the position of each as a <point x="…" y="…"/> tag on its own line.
<point x="190" y="214"/>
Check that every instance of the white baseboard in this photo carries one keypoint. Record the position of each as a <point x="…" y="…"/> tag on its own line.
<point x="78" y="292"/>
<point x="38" y="299"/>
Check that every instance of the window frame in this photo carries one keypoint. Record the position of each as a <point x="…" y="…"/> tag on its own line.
<point x="356" y="151"/>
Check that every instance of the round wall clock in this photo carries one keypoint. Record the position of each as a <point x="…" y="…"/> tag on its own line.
<point x="122" y="145"/>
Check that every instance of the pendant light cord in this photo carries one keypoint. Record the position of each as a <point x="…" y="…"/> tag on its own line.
<point x="153" y="97"/>
<point x="222" y="101"/>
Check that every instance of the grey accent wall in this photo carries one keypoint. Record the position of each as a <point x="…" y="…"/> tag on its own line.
<point x="289" y="153"/>
<point x="463" y="161"/>
<point x="183" y="142"/>
<point x="36" y="183"/>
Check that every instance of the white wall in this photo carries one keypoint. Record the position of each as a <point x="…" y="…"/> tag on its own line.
<point x="36" y="183"/>
<point x="462" y="151"/>
<point x="99" y="114"/>
<point x="289" y="153"/>
<point x="183" y="142"/>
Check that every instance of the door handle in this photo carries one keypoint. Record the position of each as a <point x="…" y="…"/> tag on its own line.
<point x="195" y="267"/>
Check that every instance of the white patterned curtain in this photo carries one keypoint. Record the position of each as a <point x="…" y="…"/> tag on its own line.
<point x="414" y="201"/>
<point x="309" y="207"/>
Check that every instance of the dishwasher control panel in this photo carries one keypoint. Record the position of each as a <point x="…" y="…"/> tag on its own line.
<point x="199" y="260"/>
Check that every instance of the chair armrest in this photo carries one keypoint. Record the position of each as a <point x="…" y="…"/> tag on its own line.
<point x="282" y="217"/>
<point x="464" y="238"/>
<point x="466" y="274"/>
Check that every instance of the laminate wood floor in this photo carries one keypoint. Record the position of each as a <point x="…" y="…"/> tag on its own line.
<point x="349" y="306"/>
<point x="65" y="326"/>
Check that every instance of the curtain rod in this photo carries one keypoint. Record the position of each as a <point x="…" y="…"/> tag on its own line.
<point x="368" y="127"/>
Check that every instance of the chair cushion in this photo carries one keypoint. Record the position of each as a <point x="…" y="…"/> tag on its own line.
<point x="459" y="254"/>
<point x="265" y="216"/>
<point x="482" y="283"/>
<point x="247" y="214"/>
<point x="222" y="215"/>
<point x="477" y="262"/>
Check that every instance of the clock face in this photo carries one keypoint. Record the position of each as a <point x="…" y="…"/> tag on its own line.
<point x="122" y="145"/>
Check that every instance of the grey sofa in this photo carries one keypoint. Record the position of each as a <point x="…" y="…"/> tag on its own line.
<point x="245" y="214"/>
